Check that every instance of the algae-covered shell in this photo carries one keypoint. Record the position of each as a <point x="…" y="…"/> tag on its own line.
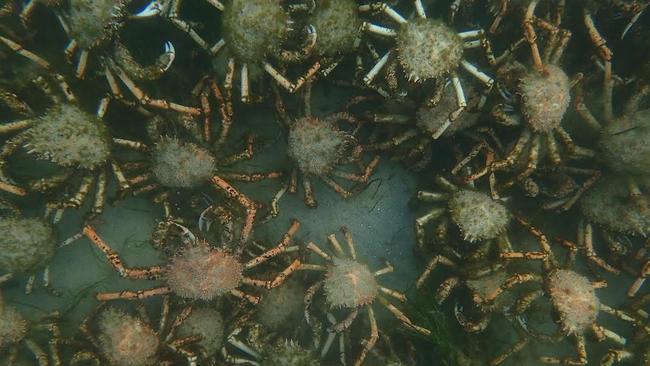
<point x="25" y="244"/>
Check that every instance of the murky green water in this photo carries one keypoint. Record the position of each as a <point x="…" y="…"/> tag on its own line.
<point x="381" y="215"/>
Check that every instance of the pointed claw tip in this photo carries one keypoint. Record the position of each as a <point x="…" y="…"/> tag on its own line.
<point x="154" y="8"/>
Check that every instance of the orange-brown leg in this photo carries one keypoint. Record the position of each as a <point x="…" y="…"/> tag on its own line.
<point x="225" y="110"/>
<point x="531" y="36"/>
<point x="369" y="343"/>
<point x="249" y="205"/>
<point x="580" y="360"/>
<point x="146" y="100"/>
<point x="280" y="248"/>
<point x="133" y="295"/>
<point x="517" y="347"/>
<point x="433" y="263"/>
<point x="152" y="272"/>
<point x="207" y="113"/>
<point x="445" y="289"/>
<point x="245" y="154"/>
<point x="336" y="187"/>
<point x="510" y="283"/>
<point x="592" y="256"/>
<point x="403" y="318"/>
<point x="242" y="295"/>
<point x="360" y="178"/>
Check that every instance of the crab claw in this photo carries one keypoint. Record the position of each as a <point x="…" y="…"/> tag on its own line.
<point x="153" y="9"/>
<point x="170" y="54"/>
<point x="204" y="222"/>
<point x="634" y="19"/>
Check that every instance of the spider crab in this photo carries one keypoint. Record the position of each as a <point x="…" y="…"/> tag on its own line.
<point x="199" y="271"/>
<point x="254" y="33"/>
<point x="543" y="97"/>
<point x="427" y="50"/>
<point x="319" y="148"/>
<point x="350" y="286"/>
<point x="572" y="297"/>
<point x="66" y="135"/>
<point x="120" y="337"/>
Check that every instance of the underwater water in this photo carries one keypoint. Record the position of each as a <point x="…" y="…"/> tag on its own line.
<point x="516" y="235"/>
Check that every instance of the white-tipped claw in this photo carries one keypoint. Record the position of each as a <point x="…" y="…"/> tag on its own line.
<point x="170" y="52"/>
<point x="204" y="222"/>
<point x="153" y="9"/>
<point x="634" y="19"/>
<point x="187" y="236"/>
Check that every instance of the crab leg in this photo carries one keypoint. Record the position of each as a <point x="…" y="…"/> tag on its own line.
<point x="147" y="100"/>
<point x="225" y="110"/>
<point x="249" y="205"/>
<point x="307" y="76"/>
<point x="388" y="269"/>
<point x="509" y="283"/>
<point x="606" y="56"/>
<point x="309" y="198"/>
<point x="250" y="177"/>
<point x="367" y="80"/>
<point x="317" y="250"/>
<point x="186" y="27"/>
<point x="588" y="242"/>
<point x="16" y="105"/>
<point x="345" y="323"/>
<point x="403" y="318"/>
<point x="370" y="342"/>
<point x="461" y="103"/>
<point x="531" y="165"/>
<point x="245" y="85"/>
<point x="10" y="188"/>
<point x="279" y="78"/>
<point x="514" y="154"/>
<point x="84" y="189"/>
<point x="420" y="223"/>
<point x="383" y="8"/>
<point x="470" y="326"/>
<point x="515" y="348"/>
<point x="242" y="295"/>
<point x="281" y="247"/>
<point x="152" y="272"/>
<point x="295" y="56"/>
<point x="581" y="350"/>
<point x="133" y="295"/>
<point x="331" y="335"/>
<point x="483" y="77"/>
<point x="632" y="106"/>
<point x="17" y="48"/>
<point x="531" y="36"/>
<point x="503" y="9"/>
<point x="207" y="111"/>
<point x="615" y="356"/>
<point x="359" y="178"/>
<point x="419" y="9"/>
<point x="100" y="193"/>
<point x="438" y="259"/>
<point x="525" y="301"/>
<point x="309" y="298"/>
<point x="394" y="141"/>
<point x="553" y="151"/>
<point x="336" y="187"/>
<point x="82" y="64"/>
<point x="640" y="280"/>
<point x="16" y="126"/>
<point x="445" y="289"/>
